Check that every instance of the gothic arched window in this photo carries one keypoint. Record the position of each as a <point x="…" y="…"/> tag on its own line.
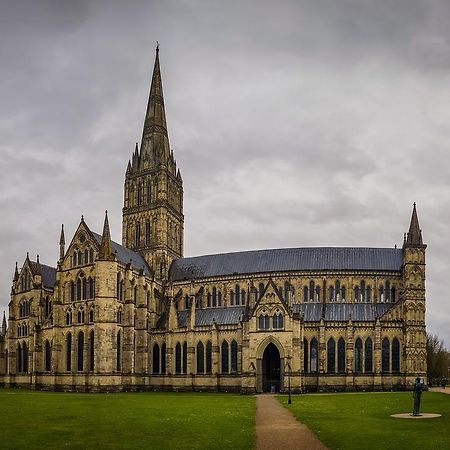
<point x="80" y="351"/>
<point x="305" y="294"/>
<point x="237" y="295"/>
<point x="234" y="356"/>
<point x="358" y="355"/>
<point x="277" y="321"/>
<point x="314" y="356"/>
<point x="91" y="351"/>
<point x="385" y="355"/>
<point x="178" y="358"/>
<point x="395" y="355"/>
<point x="137" y="235"/>
<point x="263" y="322"/>
<point x="69" y="352"/>
<point x="331" y="356"/>
<point x="305" y="355"/>
<point x="341" y="355"/>
<point x="79" y="289"/>
<point x="48" y="357"/>
<point x="163" y="358"/>
<point x="185" y="357"/>
<point x="261" y="289"/>
<point x="80" y="316"/>
<point x="19" y="358"/>
<point x="311" y="290"/>
<point x="368" y="364"/>
<point x="25" y="357"/>
<point x="208" y="357"/>
<point x="356" y="290"/>
<point x="119" y="352"/>
<point x="200" y="358"/>
<point x="225" y="357"/>
<point x="369" y="293"/>
<point x="156" y="359"/>
<point x="214" y="297"/>
<point x="147" y="232"/>
<point x="387" y="292"/>
<point x="337" y="290"/>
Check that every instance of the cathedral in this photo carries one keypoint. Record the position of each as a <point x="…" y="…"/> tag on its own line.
<point x="141" y="316"/>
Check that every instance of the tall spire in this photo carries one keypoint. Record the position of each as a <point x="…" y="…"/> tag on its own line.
<point x="155" y="139"/>
<point x="414" y="236"/>
<point x="106" y="252"/>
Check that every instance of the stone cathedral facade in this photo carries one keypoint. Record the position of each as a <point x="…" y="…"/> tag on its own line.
<point x="139" y="315"/>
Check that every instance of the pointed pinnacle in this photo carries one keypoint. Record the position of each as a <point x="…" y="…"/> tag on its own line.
<point x="16" y="273"/>
<point x="106" y="245"/>
<point x="414" y="236"/>
<point x="62" y="239"/>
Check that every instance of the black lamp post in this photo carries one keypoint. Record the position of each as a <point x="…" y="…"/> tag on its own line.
<point x="289" y="381"/>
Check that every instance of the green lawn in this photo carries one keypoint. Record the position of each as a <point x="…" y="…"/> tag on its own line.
<point x="362" y="421"/>
<point x="51" y="420"/>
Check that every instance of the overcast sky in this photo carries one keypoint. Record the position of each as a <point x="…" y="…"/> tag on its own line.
<point x="294" y="123"/>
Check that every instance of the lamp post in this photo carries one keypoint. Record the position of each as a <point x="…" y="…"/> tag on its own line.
<point x="289" y="380"/>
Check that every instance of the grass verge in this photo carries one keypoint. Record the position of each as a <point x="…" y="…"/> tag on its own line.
<point x="362" y="420"/>
<point x="51" y="420"/>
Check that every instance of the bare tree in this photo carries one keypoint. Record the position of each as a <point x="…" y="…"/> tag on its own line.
<point x="438" y="360"/>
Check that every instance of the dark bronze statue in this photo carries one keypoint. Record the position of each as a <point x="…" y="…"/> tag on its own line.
<point x="417" y="392"/>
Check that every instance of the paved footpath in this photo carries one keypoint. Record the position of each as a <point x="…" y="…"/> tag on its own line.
<point x="277" y="428"/>
<point x="445" y="390"/>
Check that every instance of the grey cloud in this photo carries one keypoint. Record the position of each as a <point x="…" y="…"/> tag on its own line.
<point x="294" y="124"/>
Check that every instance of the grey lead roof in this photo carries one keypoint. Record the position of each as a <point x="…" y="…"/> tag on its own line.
<point x="287" y="259"/>
<point x="125" y="255"/>
<point x="48" y="273"/>
<point x="222" y="316"/>
<point x="358" y="312"/>
<point x="312" y="312"/>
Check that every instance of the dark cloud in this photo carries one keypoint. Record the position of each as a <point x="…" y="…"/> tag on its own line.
<point x="294" y="123"/>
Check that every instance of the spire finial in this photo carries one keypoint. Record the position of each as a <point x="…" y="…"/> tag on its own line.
<point x="157" y="46"/>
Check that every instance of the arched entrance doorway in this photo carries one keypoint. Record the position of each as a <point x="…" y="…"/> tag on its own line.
<point x="271" y="369"/>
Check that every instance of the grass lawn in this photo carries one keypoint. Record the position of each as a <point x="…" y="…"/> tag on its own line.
<point x="362" y="421"/>
<point x="52" y="420"/>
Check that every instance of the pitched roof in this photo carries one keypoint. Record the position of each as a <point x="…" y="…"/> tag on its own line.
<point x="287" y="259"/>
<point x="358" y="312"/>
<point x="48" y="273"/>
<point x="125" y="255"/>
<point x="222" y="316"/>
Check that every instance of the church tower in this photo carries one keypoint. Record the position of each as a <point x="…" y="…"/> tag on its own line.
<point x="414" y="301"/>
<point x="153" y="222"/>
